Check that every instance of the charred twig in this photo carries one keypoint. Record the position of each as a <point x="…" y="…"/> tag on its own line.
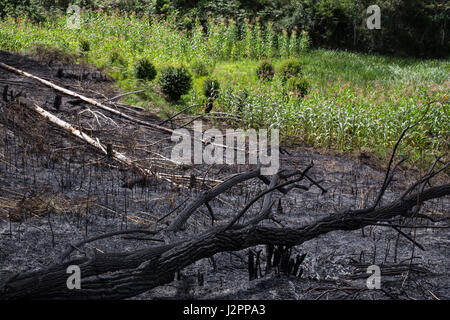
<point x="177" y="114"/>
<point x="389" y="174"/>
<point x="242" y="212"/>
<point x="104" y="236"/>
<point x="179" y="221"/>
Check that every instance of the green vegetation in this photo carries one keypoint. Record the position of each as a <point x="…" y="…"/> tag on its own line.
<point x="175" y="82"/>
<point x="297" y="86"/>
<point x="265" y="71"/>
<point x="211" y="88"/>
<point x="84" y="46"/>
<point x="409" y="27"/>
<point x="291" y="68"/>
<point x="144" y="69"/>
<point x="339" y="100"/>
<point x="200" y="68"/>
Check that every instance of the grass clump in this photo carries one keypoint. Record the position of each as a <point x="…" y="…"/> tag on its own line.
<point x="85" y="46"/>
<point x="200" y="68"/>
<point x="175" y="82"/>
<point x="298" y="86"/>
<point x="116" y="58"/>
<point x="265" y="71"/>
<point x="291" y="68"/>
<point x="145" y="70"/>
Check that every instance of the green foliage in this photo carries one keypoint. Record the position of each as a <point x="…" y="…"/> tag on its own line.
<point x="410" y="28"/>
<point x="145" y="70"/>
<point x="116" y="57"/>
<point x="265" y="71"/>
<point x="290" y="68"/>
<point x="297" y="86"/>
<point x="355" y="101"/>
<point x="211" y="88"/>
<point x="175" y="82"/>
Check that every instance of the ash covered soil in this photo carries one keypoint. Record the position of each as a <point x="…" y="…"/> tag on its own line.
<point x="55" y="191"/>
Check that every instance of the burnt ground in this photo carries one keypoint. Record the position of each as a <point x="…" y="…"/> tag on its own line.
<point x="55" y="191"/>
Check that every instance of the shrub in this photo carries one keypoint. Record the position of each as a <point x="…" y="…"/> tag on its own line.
<point x="175" y="82"/>
<point x="117" y="58"/>
<point x="298" y="86"/>
<point x="145" y="70"/>
<point x="265" y="71"/>
<point x="200" y="68"/>
<point x="211" y="88"/>
<point x="291" y="68"/>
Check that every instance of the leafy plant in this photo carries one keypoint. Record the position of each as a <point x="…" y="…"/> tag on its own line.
<point x="211" y="88"/>
<point x="145" y="70"/>
<point x="175" y="82"/>
<point x="117" y="58"/>
<point x="298" y="86"/>
<point x="85" y="46"/>
<point x="291" y="68"/>
<point x="200" y="68"/>
<point x="368" y="98"/>
<point x="265" y="71"/>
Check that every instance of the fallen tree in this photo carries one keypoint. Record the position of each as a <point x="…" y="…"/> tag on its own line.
<point x="124" y="275"/>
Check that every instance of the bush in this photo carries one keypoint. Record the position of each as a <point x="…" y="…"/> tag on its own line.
<point x="297" y="86"/>
<point x="291" y="68"/>
<point x="117" y="58"/>
<point x="200" y="68"/>
<point x="175" y="82"/>
<point x="145" y="70"/>
<point x="265" y="71"/>
<point x="211" y="88"/>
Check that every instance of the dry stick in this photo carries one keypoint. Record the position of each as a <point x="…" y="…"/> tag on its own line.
<point x="211" y="213"/>
<point x="422" y="181"/>
<point x="165" y="216"/>
<point x="65" y="125"/>
<point x="269" y="190"/>
<point x="139" y="238"/>
<point x="190" y="121"/>
<point x="415" y="212"/>
<point x="177" y="114"/>
<point x="426" y="177"/>
<point x="409" y="238"/>
<point x="103" y="236"/>
<point x="96" y="143"/>
<point x="267" y="202"/>
<point x="389" y="174"/>
<point x="125" y="94"/>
